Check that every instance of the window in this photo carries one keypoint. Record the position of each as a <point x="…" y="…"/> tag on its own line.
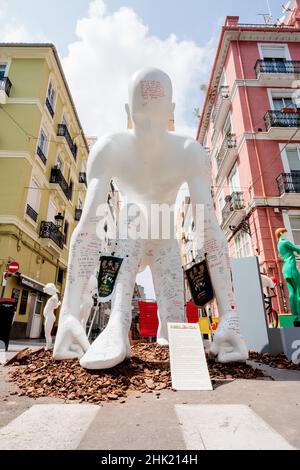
<point x="80" y="205"/>
<point x="71" y="187"/>
<point x="52" y="212"/>
<point x="33" y="199"/>
<point x="51" y="94"/>
<point x="295" y="227"/>
<point x="66" y="232"/>
<point x="23" y="303"/>
<point x="42" y="143"/>
<point x="242" y="245"/>
<point x="60" y="163"/>
<point x="60" y="276"/>
<point x="227" y="129"/>
<point x="293" y="158"/>
<point x="234" y="180"/>
<point x="2" y="71"/>
<point x="283" y="102"/>
<point x="274" y="51"/>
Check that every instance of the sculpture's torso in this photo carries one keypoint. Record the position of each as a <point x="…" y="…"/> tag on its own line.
<point x="289" y="259"/>
<point x="149" y="171"/>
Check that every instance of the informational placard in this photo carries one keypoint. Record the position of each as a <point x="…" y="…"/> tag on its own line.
<point x="187" y="356"/>
<point x="109" y="270"/>
<point x="200" y="284"/>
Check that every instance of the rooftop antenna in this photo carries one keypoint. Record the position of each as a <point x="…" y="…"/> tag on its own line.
<point x="268" y="17"/>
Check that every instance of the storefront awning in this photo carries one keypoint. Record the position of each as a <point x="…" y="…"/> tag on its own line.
<point x="32" y="283"/>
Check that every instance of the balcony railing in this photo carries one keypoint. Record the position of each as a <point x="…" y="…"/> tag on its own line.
<point x="5" y="84"/>
<point x="289" y="182"/>
<point x="228" y="143"/>
<point x="50" y="231"/>
<point x="78" y="214"/>
<point x="41" y="154"/>
<point x="277" y="66"/>
<point x="50" y="107"/>
<point x="82" y="178"/>
<point x="235" y="202"/>
<point x="63" y="131"/>
<point x="58" y="178"/>
<point x="31" y="213"/>
<point x="282" y="119"/>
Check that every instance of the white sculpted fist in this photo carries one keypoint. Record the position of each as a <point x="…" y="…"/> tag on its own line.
<point x="71" y="339"/>
<point x="229" y="345"/>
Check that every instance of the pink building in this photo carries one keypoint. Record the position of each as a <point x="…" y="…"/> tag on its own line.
<point x="250" y="125"/>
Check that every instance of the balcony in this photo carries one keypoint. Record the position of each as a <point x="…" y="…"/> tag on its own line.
<point x="50" y="107"/>
<point x="63" y="131"/>
<point x="226" y="156"/>
<point x="221" y="108"/>
<point x="51" y="232"/>
<point x="282" y="124"/>
<point x="58" y="178"/>
<point x="5" y="88"/>
<point x="78" y="214"/>
<point x="234" y="210"/>
<point x="31" y="213"/>
<point x="82" y="178"/>
<point x="289" y="188"/>
<point x="41" y="154"/>
<point x="278" y="72"/>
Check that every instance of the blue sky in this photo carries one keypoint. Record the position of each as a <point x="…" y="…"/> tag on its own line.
<point x="195" y="19"/>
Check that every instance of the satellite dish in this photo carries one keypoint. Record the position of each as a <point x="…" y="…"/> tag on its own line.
<point x="287" y="7"/>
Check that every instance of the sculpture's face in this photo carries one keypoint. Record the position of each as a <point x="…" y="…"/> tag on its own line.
<point x="150" y="100"/>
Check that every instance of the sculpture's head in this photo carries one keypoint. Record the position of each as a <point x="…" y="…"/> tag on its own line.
<point x="50" y="289"/>
<point x="280" y="232"/>
<point x="150" y="100"/>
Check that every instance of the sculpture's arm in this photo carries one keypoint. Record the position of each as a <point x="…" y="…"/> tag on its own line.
<point x="296" y="249"/>
<point x="84" y="255"/>
<point x="213" y="243"/>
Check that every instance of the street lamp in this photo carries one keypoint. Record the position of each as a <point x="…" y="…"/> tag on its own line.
<point x="59" y="220"/>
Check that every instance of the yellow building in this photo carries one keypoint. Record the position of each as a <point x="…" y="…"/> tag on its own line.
<point x="43" y="154"/>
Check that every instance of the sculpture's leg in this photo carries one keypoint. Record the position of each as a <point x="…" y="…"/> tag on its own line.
<point x="112" y="345"/>
<point x="167" y="275"/>
<point x="293" y="291"/>
<point x="48" y="326"/>
<point x="228" y="346"/>
<point x="71" y="339"/>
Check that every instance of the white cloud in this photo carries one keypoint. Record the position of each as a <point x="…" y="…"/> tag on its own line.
<point x="110" y="48"/>
<point x="12" y="29"/>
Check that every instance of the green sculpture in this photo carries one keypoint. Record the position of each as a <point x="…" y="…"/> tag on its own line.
<point x="290" y="272"/>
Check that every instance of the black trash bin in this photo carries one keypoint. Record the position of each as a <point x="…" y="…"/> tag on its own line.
<point x="7" y="312"/>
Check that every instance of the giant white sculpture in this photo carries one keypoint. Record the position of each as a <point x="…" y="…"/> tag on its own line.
<point x="149" y="165"/>
<point x="52" y="304"/>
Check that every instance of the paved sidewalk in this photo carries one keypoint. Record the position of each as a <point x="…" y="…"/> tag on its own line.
<point x="266" y="414"/>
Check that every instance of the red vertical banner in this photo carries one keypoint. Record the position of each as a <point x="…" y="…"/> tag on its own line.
<point x="148" y="319"/>
<point x="192" y="313"/>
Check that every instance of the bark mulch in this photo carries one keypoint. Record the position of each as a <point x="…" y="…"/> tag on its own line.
<point x="280" y="361"/>
<point x="148" y="371"/>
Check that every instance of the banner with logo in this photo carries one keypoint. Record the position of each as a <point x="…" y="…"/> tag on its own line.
<point x="200" y="284"/>
<point x="108" y="273"/>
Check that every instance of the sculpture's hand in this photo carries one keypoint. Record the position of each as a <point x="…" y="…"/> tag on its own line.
<point x="229" y="345"/>
<point x="71" y="339"/>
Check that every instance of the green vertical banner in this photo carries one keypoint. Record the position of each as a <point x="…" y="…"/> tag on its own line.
<point x="108" y="273"/>
<point x="200" y="284"/>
